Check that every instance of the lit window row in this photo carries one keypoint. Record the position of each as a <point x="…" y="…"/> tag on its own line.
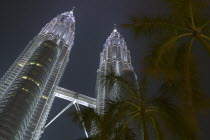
<point x="24" y="89"/>
<point x="25" y="77"/>
<point x="33" y="124"/>
<point x="37" y="64"/>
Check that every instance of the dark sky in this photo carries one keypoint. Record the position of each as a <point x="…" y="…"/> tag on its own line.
<point x="21" y="20"/>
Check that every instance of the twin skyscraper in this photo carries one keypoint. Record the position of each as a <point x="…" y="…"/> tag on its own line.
<point x="27" y="89"/>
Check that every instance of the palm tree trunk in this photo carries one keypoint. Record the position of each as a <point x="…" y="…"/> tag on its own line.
<point x="145" y="129"/>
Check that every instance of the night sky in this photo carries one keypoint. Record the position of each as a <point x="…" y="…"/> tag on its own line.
<point x="21" y="20"/>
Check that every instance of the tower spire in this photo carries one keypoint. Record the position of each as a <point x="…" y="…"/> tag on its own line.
<point x="72" y="11"/>
<point x="115" y="28"/>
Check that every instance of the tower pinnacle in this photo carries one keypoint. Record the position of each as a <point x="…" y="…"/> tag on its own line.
<point x="115" y="28"/>
<point x="72" y="11"/>
<point x="115" y="58"/>
<point x="61" y="26"/>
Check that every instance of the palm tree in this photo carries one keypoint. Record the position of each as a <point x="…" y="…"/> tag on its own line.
<point x="174" y="37"/>
<point x="140" y="114"/>
<point x="102" y="127"/>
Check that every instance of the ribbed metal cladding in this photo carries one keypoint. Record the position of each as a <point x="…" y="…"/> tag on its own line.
<point x="115" y="58"/>
<point x="21" y="99"/>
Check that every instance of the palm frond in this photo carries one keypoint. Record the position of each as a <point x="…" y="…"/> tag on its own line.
<point x="190" y="79"/>
<point x="172" y="118"/>
<point x="111" y="79"/>
<point x="153" y="26"/>
<point x="186" y="11"/>
<point x="160" y="59"/>
<point x="205" y="28"/>
<point x="122" y="133"/>
<point x="157" y="129"/>
<point x="88" y="115"/>
<point x="167" y="117"/>
<point x="205" y="43"/>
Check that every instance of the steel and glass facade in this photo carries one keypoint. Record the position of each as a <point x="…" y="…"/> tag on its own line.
<point x="115" y="58"/>
<point x="27" y="88"/>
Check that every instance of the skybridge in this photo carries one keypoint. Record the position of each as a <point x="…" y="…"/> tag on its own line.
<point x="75" y="99"/>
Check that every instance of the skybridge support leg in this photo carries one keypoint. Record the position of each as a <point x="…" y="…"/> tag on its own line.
<point x="67" y="107"/>
<point x="80" y="116"/>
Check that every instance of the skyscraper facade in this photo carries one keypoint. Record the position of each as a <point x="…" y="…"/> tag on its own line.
<point x="115" y="58"/>
<point x="27" y="88"/>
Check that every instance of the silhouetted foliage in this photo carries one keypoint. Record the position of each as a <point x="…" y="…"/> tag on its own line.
<point x="139" y="116"/>
<point x="170" y="56"/>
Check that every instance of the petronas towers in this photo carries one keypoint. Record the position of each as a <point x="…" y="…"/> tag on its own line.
<point x="28" y="88"/>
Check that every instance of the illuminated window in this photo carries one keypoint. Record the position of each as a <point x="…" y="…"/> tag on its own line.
<point x="24" y="89"/>
<point x="25" y="77"/>
<point x="21" y="65"/>
<point x="37" y="64"/>
<point x="44" y="97"/>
